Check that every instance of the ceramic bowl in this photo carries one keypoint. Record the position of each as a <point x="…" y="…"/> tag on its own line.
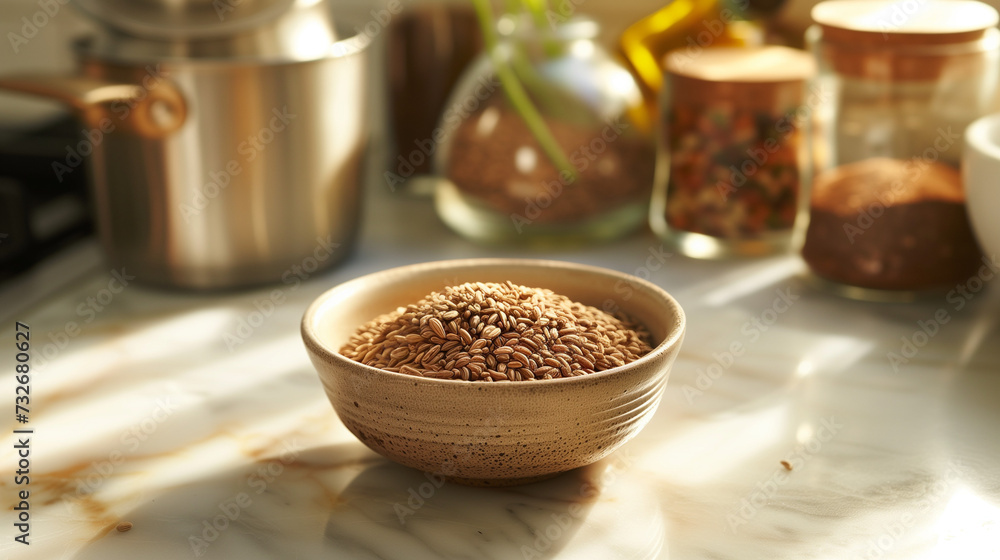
<point x="980" y="172"/>
<point x="492" y="434"/>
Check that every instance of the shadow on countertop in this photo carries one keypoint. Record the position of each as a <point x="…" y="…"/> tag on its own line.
<point x="344" y="502"/>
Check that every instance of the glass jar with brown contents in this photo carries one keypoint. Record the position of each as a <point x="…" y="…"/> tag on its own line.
<point x="733" y="150"/>
<point x="501" y="184"/>
<point x="887" y="214"/>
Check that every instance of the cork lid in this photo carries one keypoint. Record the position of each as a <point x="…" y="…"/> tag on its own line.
<point x="764" y="77"/>
<point x="904" y="40"/>
<point x="770" y="64"/>
<point x="909" y="22"/>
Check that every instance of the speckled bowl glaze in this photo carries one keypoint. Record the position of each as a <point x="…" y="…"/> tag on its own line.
<point x="492" y="434"/>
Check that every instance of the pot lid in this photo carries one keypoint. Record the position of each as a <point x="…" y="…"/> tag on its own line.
<point x="176" y="19"/>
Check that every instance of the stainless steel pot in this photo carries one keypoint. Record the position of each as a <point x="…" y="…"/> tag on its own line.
<point x="218" y="170"/>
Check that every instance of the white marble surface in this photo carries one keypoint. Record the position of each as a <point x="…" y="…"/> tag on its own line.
<point x="150" y="414"/>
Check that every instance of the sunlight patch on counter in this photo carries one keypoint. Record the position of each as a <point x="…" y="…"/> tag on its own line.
<point x="969" y="528"/>
<point x="707" y="452"/>
<point x="833" y="354"/>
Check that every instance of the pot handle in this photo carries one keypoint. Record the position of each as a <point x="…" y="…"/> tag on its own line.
<point x="149" y="113"/>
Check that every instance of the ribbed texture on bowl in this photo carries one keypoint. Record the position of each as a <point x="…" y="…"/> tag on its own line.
<point x="491" y="433"/>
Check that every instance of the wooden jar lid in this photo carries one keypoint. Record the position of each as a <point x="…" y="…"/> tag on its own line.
<point x="756" y="76"/>
<point x="903" y="39"/>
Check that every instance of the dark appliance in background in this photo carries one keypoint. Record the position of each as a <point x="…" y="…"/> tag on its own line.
<point x="42" y="210"/>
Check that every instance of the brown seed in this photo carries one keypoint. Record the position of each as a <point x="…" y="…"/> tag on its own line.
<point x="545" y="370"/>
<point x="491" y="332"/>
<point x="432" y="355"/>
<point x="479" y="344"/>
<point x="124" y="526"/>
<point x="370" y="355"/>
<point x="787" y="465"/>
<point x="437" y="326"/>
<point x="465" y="336"/>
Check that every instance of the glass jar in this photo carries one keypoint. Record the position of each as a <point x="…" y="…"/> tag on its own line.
<point x="887" y="210"/>
<point x="733" y="150"/>
<point x="498" y="184"/>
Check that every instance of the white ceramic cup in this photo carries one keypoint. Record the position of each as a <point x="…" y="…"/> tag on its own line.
<point x="981" y="176"/>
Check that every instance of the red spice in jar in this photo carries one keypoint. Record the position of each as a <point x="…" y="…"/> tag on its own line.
<point x="734" y="172"/>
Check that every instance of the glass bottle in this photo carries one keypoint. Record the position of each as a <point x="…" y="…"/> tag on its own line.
<point x="887" y="213"/>
<point x="498" y="184"/>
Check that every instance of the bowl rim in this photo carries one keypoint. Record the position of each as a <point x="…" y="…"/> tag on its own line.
<point x="315" y="345"/>
<point x="977" y="136"/>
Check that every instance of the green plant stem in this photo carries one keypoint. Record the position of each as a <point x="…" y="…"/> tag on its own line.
<point x="517" y="96"/>
<point x="537" y="9"/>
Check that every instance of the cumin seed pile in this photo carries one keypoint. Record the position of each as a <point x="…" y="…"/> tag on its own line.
<point x="497" y="332"/>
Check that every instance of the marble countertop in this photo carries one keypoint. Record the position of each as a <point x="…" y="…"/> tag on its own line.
<point x="199" y="420"/>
